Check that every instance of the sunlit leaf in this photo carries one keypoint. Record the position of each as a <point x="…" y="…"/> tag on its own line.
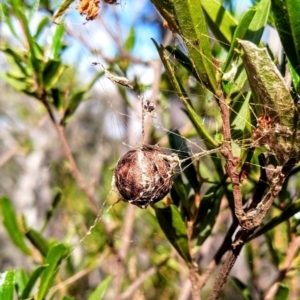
<point x="99" y="292"/>
<point x="130" y="41"/>
<point x="35" y="275"/>
<point x="220" y="21"/>
<point x="52" y="72"/>
<point x="53" y="259"/>
<point x="62" y="9"/>
<point x="193" y="30"/>
<point x="7" y="285"/>
<point x="21" y="280"/>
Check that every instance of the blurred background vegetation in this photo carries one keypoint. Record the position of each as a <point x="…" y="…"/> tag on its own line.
<point x="64" y="125"/>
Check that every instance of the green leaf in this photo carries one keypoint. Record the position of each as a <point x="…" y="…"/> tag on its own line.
<point x="170" y="221"/>
<point x="35" y="275"/>
<point x="286" y="15"/>
<point x="259" y="22"/>
<point x="62" y="9"/>
<point x="73" y="102"/>
<point x="10" y="223"/>
<point x="290" y="211"/>
<point x="57" y="42"/>
<point x="55" y="201"/>
<point x="268" y="85"/>
<point x="21" y="281"/>
<point x="207" y="214"/>
<point x="130" y="41"/>
<point x="220" y="21"/>
<point x="52" y="72"/>
<point x="184" y="61"/>
<point x="99" y="292"/>
<point x="5" y="16"/>
<point x="252" y="32"/>
<point x="7" y="285"/>
<point x="239" y="33"/>
<point x="18" y="57"/>
<point x="195" y="35"/>
<point x="179" y="192"/>
<point x="43" y="23"/>
<point x="282" y="292"/>
<point x="53" y="259"/>
<point x="76" y="98"/>
<point x="240" y="123"/>
<point x="38" y="241"/>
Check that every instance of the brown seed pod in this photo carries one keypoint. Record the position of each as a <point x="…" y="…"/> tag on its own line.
<point x="143" y="175"/>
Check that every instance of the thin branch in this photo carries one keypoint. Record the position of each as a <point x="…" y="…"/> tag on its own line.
<point x="292" y="251"/>
<point x="141" y="279"/>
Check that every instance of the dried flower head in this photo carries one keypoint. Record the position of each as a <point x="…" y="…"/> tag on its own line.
<point x="143" y="175"/>
<point x="89" y="8"/>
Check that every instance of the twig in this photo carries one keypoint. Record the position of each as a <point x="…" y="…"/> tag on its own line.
<point x="67" y="151"/>
<point x="142" y="277"/>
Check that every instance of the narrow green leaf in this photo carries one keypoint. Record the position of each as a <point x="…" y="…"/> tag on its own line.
<point x="259" y="21"/>
<point x="253" y="33"/>
<point x="170" y="221"/>
<point x="7" y="285"/>
<point x="35" y="275"/>
<point x="76" y="98"/>
<point x="207" y="214"/>
<point x="184" y="61"/>
<point x="295" y="78"/>
<point x="130" y="41"/>
<point x="21" y="279"/>
<point x="55" y="201"/>
<point x="73" y="102"/>
<point x="10" y="223"/>
<point x="195" y="35"/>
<point x="290" y="211"/>
<point x="62" y="9"/>
<point x="239" y="33"/>
<point x="180" y="193"/>
<point x="53" y="259"/>
<point x="19" y="85"/>
<point x="38" y="241"/>
<point x="286" y="15"/>
<point x="36" y="54"/>
<point x="240" y="123"/>
<point x="99" y="292"/>
<point x="6" y="18"/>
<point x="220" y="21"/>
<point x="43" y="23"/>
<point x="52" y="72"/>
<point x="57" y="42"/>
<point x="282" y="292"/>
